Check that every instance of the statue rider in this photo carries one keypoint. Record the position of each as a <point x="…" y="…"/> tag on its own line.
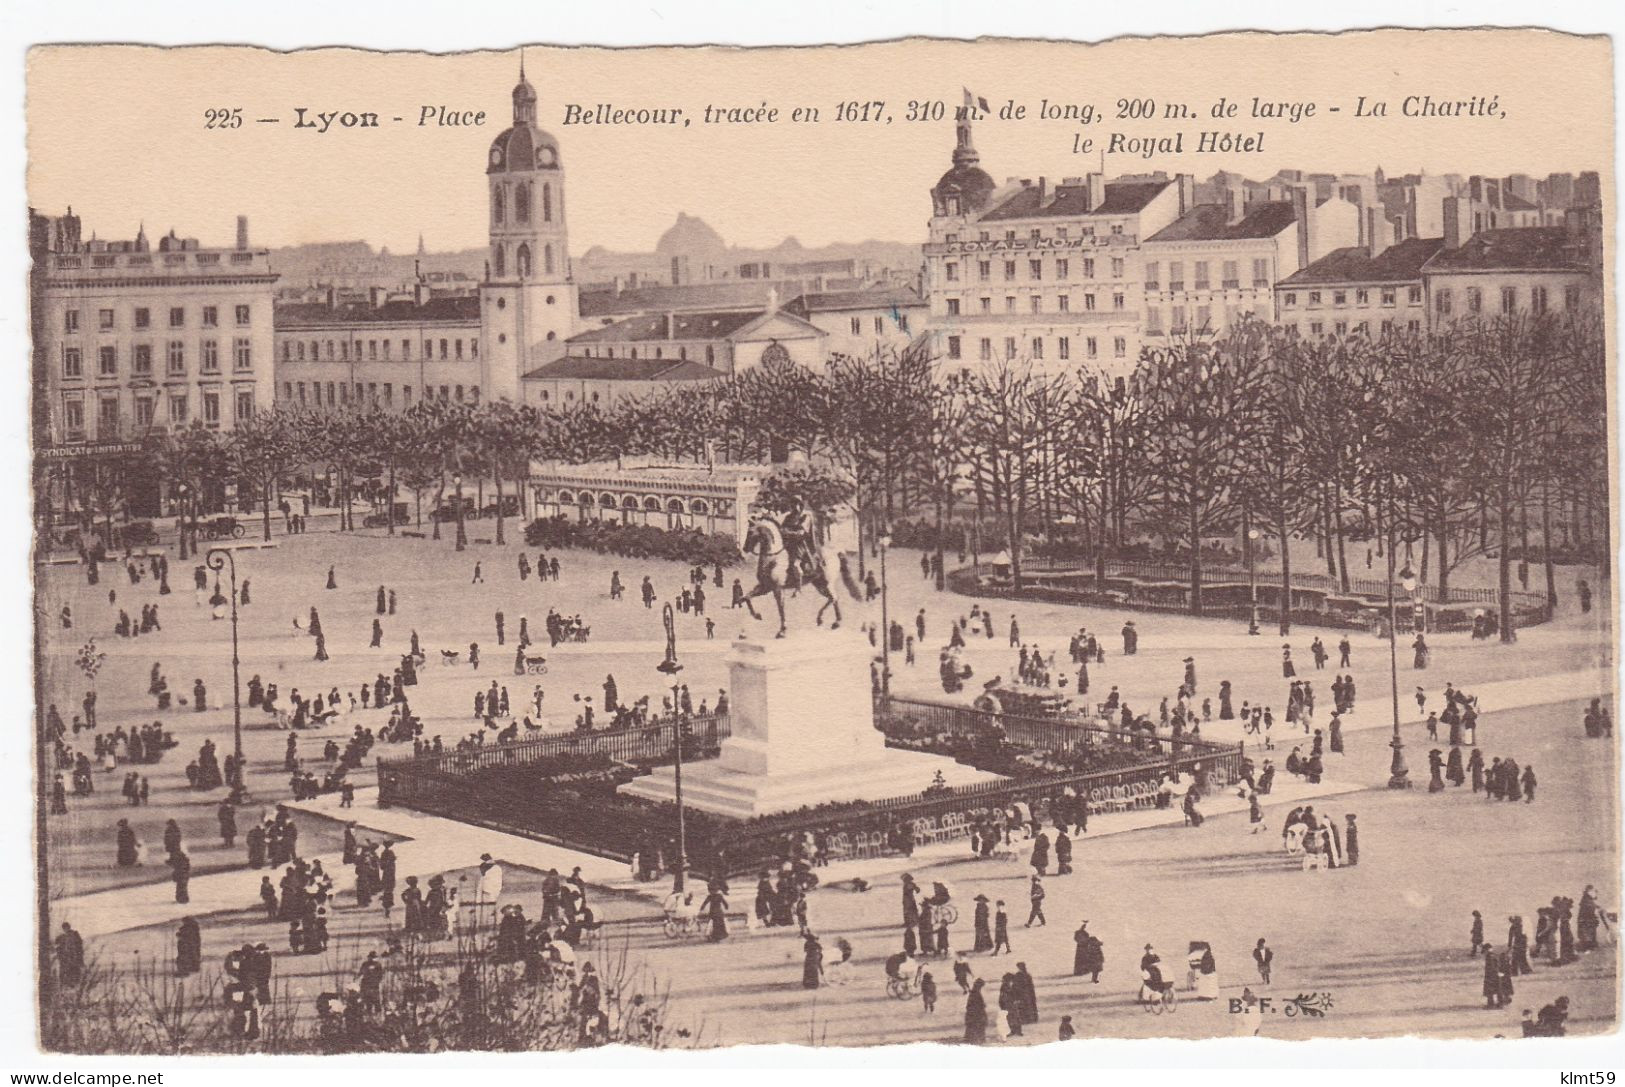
<point x="798" y="526"/>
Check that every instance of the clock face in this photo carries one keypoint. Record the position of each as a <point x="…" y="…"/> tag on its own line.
<point x="545" y="156"/>
<point x="496" y="156"/>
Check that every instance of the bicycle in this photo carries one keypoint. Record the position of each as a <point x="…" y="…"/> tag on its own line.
<point x="1157" y="1001"/>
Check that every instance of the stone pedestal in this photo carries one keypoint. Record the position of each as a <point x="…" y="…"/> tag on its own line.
<point x="802" y="734"/>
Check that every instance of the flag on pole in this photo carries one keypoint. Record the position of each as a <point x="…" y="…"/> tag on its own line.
<point x="974" y="102"/>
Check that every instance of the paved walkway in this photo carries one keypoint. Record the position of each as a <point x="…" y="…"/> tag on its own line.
<point x="434" y="844"/>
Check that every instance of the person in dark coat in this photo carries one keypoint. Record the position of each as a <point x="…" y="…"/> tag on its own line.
<point x="188" y="948"/>
<point x="1435" y="771"/>
<point x="1475" y="767"/>
<point x="1063" y="852"/>
<point x="227" y="815"/>
<point x="126" y="855"/>
<point x="70" y="957"/>
<point x="976" y="1014"/>
<point x="383" y="604"/>
<point x="377" y="634"/>
<point x="1080" y="951"/>
<point x="1040" y="857"/>
<point x="1351" y="842"/>
<point x="983" y="930"/>
<point x="1528" y="781"/>
<point x="332" y="582"/>
<point x="1026" y="995"/>
<point x="1454" y="773"/>
<point x="812" y="963"/>
<point x="256" y="846"/>
<point x="181" y="871"/>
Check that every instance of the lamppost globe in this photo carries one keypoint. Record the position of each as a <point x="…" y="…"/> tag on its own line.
<point x="1407" y="578"/>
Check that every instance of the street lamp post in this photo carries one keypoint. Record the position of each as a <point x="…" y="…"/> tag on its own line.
<point x="885" y="619"/>
<point x="670" y="666"/>
<point x="222" y="558"/>
<point x="1398" y="773"/>
<point x="1251" y="538"/>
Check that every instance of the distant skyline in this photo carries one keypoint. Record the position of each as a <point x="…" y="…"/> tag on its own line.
<point x="117" y="132"/>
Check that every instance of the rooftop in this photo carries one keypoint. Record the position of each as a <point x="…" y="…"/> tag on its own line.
<point x="712" y="325"/>
<point x="1534" y="248"/>
<point x="1121" y="198"/>
<point x="1397" y="264"/>
<point x="585" y="368"/>
<point x="733" y="294"/>
<point x="1211" y="222"/>
<point x="871" y="298"/>
<point x="461" y="309"/>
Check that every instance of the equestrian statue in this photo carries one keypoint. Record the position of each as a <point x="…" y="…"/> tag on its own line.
<point x="788" y="557"/>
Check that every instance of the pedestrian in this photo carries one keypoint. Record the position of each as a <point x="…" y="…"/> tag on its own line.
<point x="1476" y="936"/>
<point x="181" y="871"/>
<point x="1035" y="894"/>
<point x="1001" y="928"/>
<point x="1528" y="784"/>
<point x="332" y="581"/>
<point x="1351" y="842"/>
<point x="928" y="992"/>
<point x="188" y="948"/>
<point x="1264" y="957"/>
<point x="976" y="1015"/>
<point x="1065" y="1033"/>
<point x="983" y="933"/>
<point x="478" y="577"/>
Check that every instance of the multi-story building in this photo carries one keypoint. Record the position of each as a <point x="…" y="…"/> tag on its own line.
<point x="1368" y="290"/>
<point x="1218" y="263"/>
<point x="141" y="339"/>
<point x="727" y="341"/>
<point x="1515" y="270"/>
<point x="391" y="354"/>
<point x="1049" y="275"/>
<point x="863" y="322"/>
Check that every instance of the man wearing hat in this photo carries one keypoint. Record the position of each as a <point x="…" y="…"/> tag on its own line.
<point x="983" y="930"/>
<point x="1035" y="894"/>
<point x="1190" y="676"/>
<point x="1131" y="639"/>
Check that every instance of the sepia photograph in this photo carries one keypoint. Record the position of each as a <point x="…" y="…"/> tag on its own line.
<point x="986" y="543"/>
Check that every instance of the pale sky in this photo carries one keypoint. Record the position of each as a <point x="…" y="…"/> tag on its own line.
<point x="118" y="132"/>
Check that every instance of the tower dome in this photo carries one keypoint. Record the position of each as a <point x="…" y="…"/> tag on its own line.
<point x="523" y="146"/>
<point x="965" y="188"/>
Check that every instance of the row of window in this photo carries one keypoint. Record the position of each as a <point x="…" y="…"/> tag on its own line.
<point x="1035" y="304"/>
<point x="109" y="411"/>
<point x="348" y="350"/>
<point x="370" y="392"/>
<point x="1181" y="318"/>
<point x="107" y="320"/>
<point x="1036" y="349"/>
<point x="521" y="260"/>
<point x="1539" y="299"/>
<point x="1389" y="296"/>
<point x="880" y="325"/>
<point x="1317" y="329"/>
<point x="523" y="203"/>
<point x="1202" y="275"/>
<point x="1035" y="269"/>
<point x="1037" y="233"/>
<point x="607" y="351"/>
<point x="107" y="358"/>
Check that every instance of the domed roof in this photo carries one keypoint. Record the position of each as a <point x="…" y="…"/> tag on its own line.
<point x="970" y="183"/>
<point x="523" y="146"/>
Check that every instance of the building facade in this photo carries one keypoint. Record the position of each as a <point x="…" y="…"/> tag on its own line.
<point x="1050" y="275"/>
<point x="1519" y="270"/>
<point x="392" y="355"/>
<point x="863" y="322"/>
<point x="139" y="340"/>
<point x="1360" y="290"/>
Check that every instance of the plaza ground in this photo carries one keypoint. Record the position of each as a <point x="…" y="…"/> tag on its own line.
<point x="1386" y="939"/>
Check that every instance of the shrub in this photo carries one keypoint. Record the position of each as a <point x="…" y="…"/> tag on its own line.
<point x="634" y="541"/>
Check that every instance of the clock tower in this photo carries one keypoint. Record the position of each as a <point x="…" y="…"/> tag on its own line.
<point x="528" y="303"/>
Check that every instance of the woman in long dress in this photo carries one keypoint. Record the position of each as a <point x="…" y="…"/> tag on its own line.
<point x="715" y="908"/>
<point x="976" y="1014"/>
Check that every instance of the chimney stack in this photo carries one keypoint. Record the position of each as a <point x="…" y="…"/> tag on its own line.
<point x="1187" y="192"/>
<point x="1300" y="215"/>
<point x="420" y="293"/>
<point x="1097" y="190"/>
<point x="1236" y="197"/>
<point x="242" y="232"/>
<point x="1043" y="191"/>
<point x="1454" y="224"/>
<point x="1379" y="232"/>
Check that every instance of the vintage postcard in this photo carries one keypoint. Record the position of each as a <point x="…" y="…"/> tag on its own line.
<point x="983" y="543"/>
